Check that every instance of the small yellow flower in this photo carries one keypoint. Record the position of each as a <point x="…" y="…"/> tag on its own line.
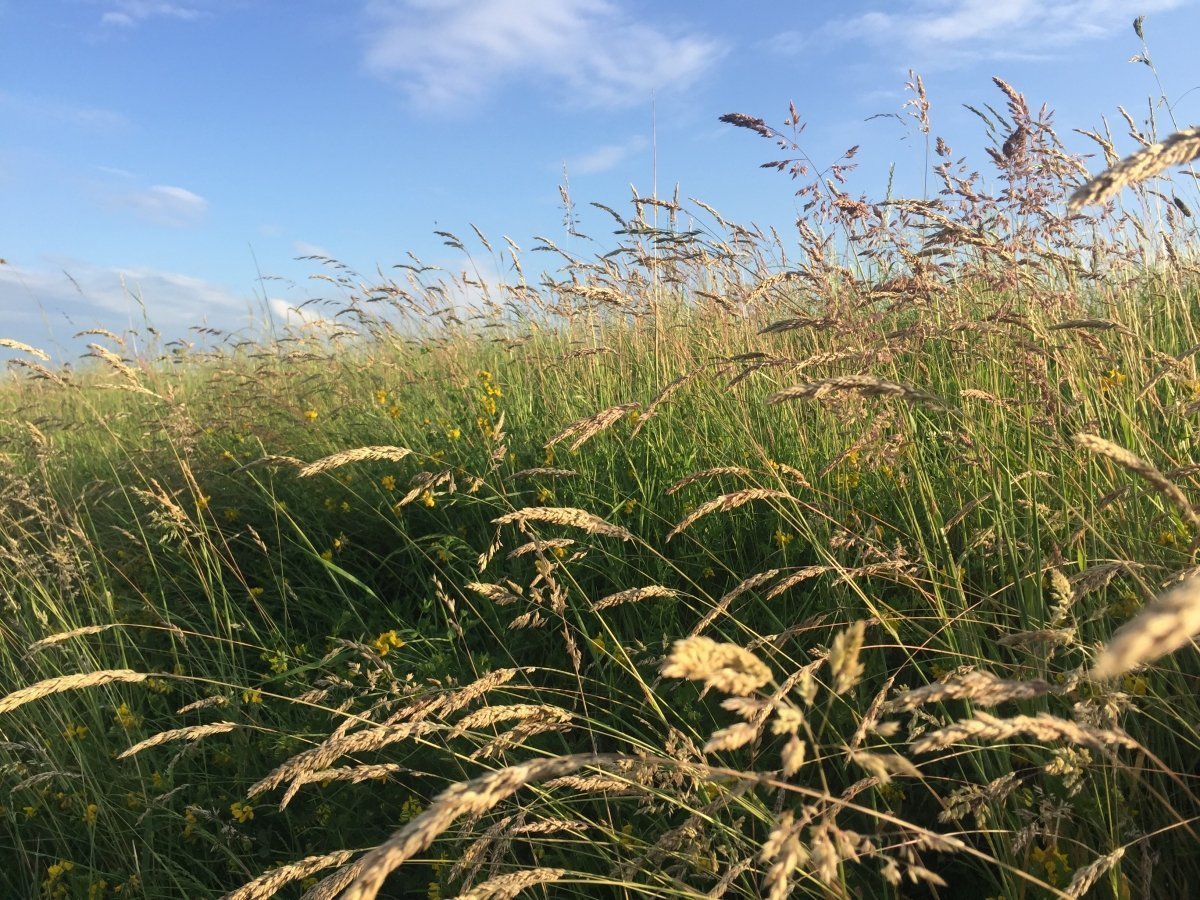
<point x="75" y="733"/>
<point x="548" y="457"/>
<point x="126" y="718"/>
<point x="560" y="552"/>
<point x="453" y="433"/>
<point x="628" y="506"/>
<point x="157" y="781"/>
<point x="1135" y="684"/>
<point x="545" y="495"/>
<point x="782" y="538"/>
<point x="410" y="809"/>
<point x="599" y="643"/>
<point x="386" y="642"/>
<point x="257" y="591"/>
<point x="311" y="415"/>
<point x="345" y="506"/>
<point x="484" y="375"/>
<point x="381" y="397"/>
<point x="428" y="499"/>
<point x="327" y="555"/>
<point x="709" y="572"/>
<point x="251" y="696"/>
<point x="97" y="889"/>
<point x="388" y="482"/>
<point x="202" y="502"/>
<point x="243" y="812"/>
<point x="394" y="411"/>
<point x="231" y="514"/>
<point x="90" y="812"/>
<point x="1112" y="379"/>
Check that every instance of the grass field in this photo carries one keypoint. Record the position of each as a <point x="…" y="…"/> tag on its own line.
<point x="718" y="565"/>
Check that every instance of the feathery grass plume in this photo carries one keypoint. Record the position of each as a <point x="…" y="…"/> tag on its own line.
<point x="546" y="546"/>
<point x="473" y="797"/>
<point x="866" y="385"/>
<point x="268" y="884"/>
<point x="203" y="703"/>
<point x="497" y="593"/>
<point x="24" y="348"/>
<point x="323" y="754"/>
<point x="563" y="515"/>
<point x="981" y="688"/>
<point x="882" y="766"/>
<point x="1163" y="626"/>
<point x="587" y="428"/>
<point x="708" y="473"/>
<point x="727" y="502"/>
<point x="358" y="454"/>
<point x="844" y="653"/>
<point x="544" y="472"/>
<point x="1181" y="147"/>
<point x="191" y="733"/>
<point x="490" y="715"/>
<point x="783" y="850"/>
<point x="504" y="887"/>
<point x="720" y="607"/>
<point x="63" y="683"/>
<point x="1086" y="876"/>
<point x="352" y="774"/>
<point x="633" y="595"/>
<point x="1042" y="727"/>
<point x="652" y="409"/>
<point x="727" y="667"/>
<point x="737" y="735"/>
<point x="66" y="636"/>
<point x="1138" y="466"/>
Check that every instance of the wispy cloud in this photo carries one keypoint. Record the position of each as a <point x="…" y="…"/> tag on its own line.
<point x="606" y="157"/>
<point x="86" y="295"/>
<point x="56" y="112"/>
<point x="449" y="53"/>
<point x="165" y="205"/>
<point x="305" y="248"/>
<point x="128" y="13"/>
<point x="957" y="31"/>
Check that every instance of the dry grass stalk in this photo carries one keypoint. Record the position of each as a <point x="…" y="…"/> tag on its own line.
<point x="541" y="547"/>
<point x="203" y="703"/>
<point x="447" y="704"/>
<point x="562" y="515"/>
<point x="63" y="683"/>
<point x="358" y="454"/>
<point x="353" y="774"/>
<point x="503" y="887"/>
<point x="866" y="385"/>
<point x="323" y="754"/>
<point x="633" y="595"/>
<point x="1042" y="727"/>
<point x="708" y="473"/>
<point x="490" y="715"/>
<point x="473" y="797"/>
<point x="727" y="667"/>
<point x="544" y="472"/>
<point x="272" y="460"/>
<point x="1181" y="147"/>
<point x="844" y="653"/>
<point x="269" y="883"/>
<point x="497" y="593"/>
<point x="981" y="688"/>
<point x="783" y="850"/>
<point x="1085" y="877"/>
<point x="585" y="429"/>
<point x="727" y="502"/>
<point x="1135" y="464"/>
<point x="24" y="348"/>
<point x="191" y="733"/>
<point x="1163" y="626"/>
<point x="722" y="605"/>
<point x="66" y="636"/>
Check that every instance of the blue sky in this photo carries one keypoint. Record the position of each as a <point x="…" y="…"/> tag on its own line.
<point x="173" y="150"/>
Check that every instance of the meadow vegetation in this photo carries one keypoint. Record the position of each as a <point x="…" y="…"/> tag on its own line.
<point x="714" y="563"/>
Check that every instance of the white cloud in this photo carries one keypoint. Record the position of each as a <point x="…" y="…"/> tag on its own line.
<point x="304" y="248"/>
<point x="127" y="13"/>
<point x="163" y="204"/>
<point x="287" y="312"/>
<point x="87" y="295"/>
<point x="42" y="109"/>
<point x="955" y="31"/>
<point x="450" y="53"/>
<point x="606" y="157"/>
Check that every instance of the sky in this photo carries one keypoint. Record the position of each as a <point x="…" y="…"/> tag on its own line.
<point x="170" y="161"/>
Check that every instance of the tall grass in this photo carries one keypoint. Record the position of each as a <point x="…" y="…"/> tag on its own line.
<point x="713" y="566"/>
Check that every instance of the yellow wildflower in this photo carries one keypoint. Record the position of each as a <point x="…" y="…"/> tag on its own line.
<point x="782" y="538"/>
<point x="545" y="495"/>
<point x="386" y="642"/>
<point x="428" y="499"/>
<point x="243" y="812"/>
<point x="381" y="396"/>
<point x="90" y="812"/>
<point x="311" y="415"/>
<point x="453" y="433"/>
<point x="388" y="482"/>
<point x="126" y="718"/>
<point x="75" y="733"/>
<point x="251" y="696"/>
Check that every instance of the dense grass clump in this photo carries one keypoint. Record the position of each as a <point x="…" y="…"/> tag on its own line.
<point x="699" y="568"/>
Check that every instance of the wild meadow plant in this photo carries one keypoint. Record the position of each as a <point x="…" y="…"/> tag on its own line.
<point x="714" y="566"/>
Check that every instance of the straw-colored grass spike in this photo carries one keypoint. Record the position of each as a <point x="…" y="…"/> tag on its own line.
<point x="69" y="683"/>
<point x="1163" y="626"/>
<point x="1181" y="147"/>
